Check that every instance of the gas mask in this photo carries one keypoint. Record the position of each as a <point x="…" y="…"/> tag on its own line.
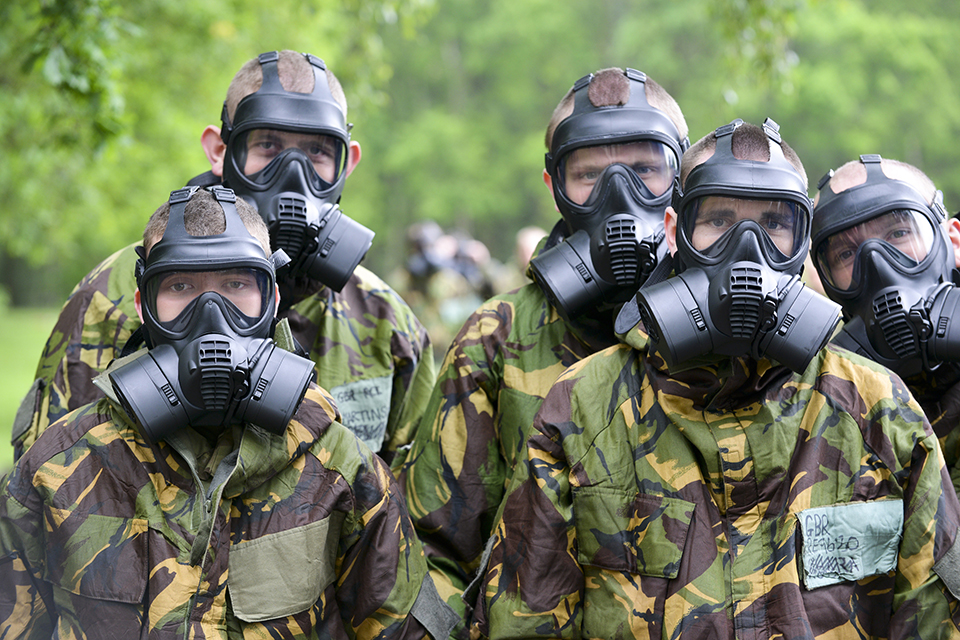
<point x="614" y="238"/>
<point x="742" y="236"/>
<point x="275" y="143"/>
<point x="881" y="253"/>
<point x="211" y="362"/>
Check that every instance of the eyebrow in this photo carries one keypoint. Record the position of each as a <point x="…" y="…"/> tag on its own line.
<point x="726" y="211"/>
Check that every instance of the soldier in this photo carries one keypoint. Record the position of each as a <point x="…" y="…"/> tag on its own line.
<point x="888" y="254"/>
<point x="691" y="482"/>
<point x="285" y="147"/>
<point x="434" y="282"/>
<point x="613" y="147"/>
<point x="214" y="491"/>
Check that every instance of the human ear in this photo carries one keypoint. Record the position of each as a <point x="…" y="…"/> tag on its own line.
<point x="214" y="148"/>
<point x="136" y="303"/>
<point x="548" y="180"/>
<point x="670" y="229"/>
<point x="953" y="235"/>
<point x="353" y="156"/>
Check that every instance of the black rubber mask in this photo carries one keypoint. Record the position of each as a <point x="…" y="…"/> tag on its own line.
<point x="208" y="306"/>
<point x="614" y="238"/>
<point x="739" y="294"/>
<point x="299" y="205"/>
<point x="882" y="254"/>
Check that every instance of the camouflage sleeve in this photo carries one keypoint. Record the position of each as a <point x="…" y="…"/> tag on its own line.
<point x="950" y="446"/>
<point x="454" y="473"/>
<point x="534" y="586"/>
<point x="383" y="581"/>
<point x="928" y="565"/>
<point x="23" y="593"/>
<point x="93" y="326"/>
<point x="927" y="582"/>
<point x="415" y="373"/>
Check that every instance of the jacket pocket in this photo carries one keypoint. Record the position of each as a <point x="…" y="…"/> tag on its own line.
<point x="628" y="531"/>
<point x="284" y="573"/>
<point x="99" y="557"/>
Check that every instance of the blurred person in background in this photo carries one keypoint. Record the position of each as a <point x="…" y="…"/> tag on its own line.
<point x="442" y="279"/>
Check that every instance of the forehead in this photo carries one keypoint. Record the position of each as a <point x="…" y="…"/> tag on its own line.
<point x="629" y="150"/>
<point x="737" y="206"/>
<point x="256" y="134"/>
<point x="211" y="274"/>
<point x="875" y="226"/>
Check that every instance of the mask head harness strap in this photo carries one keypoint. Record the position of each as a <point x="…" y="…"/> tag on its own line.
<point x="273" y="107"/>
<point x="723" y="174"/>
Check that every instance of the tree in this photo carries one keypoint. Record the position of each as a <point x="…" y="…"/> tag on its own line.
<point x="103" y="103"/>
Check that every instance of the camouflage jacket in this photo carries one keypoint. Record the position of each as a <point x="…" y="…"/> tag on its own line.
<point x="300" y="535"/>
<point x="377" y="360"/>
<point x="491" y="383"/>
<point x="939" y="395"/>
<point x="740" y="500"/>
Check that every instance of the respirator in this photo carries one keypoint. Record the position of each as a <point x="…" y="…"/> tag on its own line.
<point x="287" y="155"/>
<point x="742" y="236"/>
<point x="611" y="168"/>
<point x="208" y="305"/>
<point x="881" y="253"/>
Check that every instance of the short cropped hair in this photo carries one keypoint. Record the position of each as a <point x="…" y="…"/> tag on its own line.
<point x="296" y="75"/>
<point x="610" y="87"/>
<point x="203" y="216"/>
<point x="749" y="142"/>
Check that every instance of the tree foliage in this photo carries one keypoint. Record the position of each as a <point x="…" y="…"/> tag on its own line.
<point x="102" y="104"/>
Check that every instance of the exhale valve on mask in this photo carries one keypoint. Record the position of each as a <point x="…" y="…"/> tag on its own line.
<point x="615" y="238"/>
<point x="742" y="295"/>
<point x="211" y="365"/>
<point x="897" y="290"/>
<point x="300" y="208"/>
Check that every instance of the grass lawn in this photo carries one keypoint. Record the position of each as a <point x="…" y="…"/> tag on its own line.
<point x="23" y="333"/>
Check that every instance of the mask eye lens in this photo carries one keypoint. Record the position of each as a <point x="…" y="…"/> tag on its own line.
<point x="256" y="152"/>
<point x="170" y="294"/>
<point x="653" y="163"/>
<point x="906" y="238"/>
<point x="712" y="217"/>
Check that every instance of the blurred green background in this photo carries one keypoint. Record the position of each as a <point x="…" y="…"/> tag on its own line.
<point x="102" y="104"/>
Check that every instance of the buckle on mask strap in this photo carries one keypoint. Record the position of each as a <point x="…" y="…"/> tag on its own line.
<point x="222" y="194"/>
<point x="772" y="130"/>
<point x="182" y="195"/>
<point x="728" y="129"/>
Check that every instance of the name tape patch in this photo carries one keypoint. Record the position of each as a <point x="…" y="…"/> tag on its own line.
<point x="848" y="542"/>
<point x="365" y="407"/>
